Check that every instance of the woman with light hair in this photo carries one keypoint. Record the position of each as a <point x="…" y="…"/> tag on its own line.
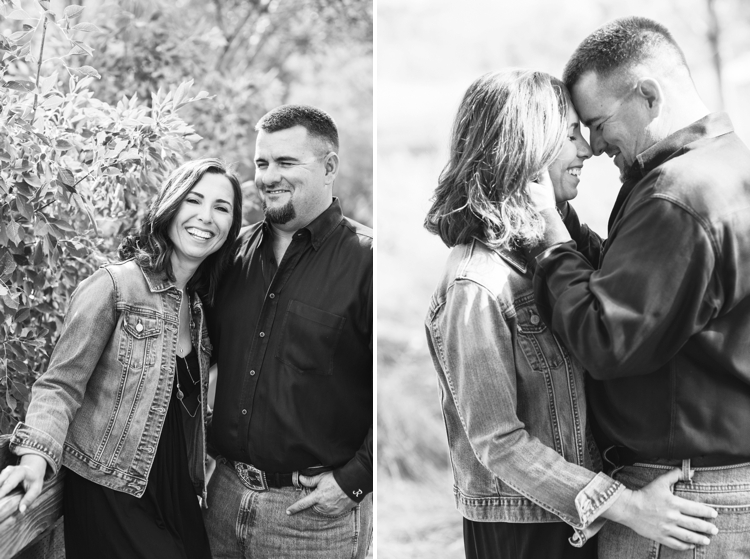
<point x="524" y="462"/>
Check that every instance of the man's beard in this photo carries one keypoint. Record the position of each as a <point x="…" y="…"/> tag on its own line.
<point x="279" y="216"/>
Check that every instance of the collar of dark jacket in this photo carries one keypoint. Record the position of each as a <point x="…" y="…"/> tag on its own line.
<point x="319" y="228"/>
<point x="710" y="126"/>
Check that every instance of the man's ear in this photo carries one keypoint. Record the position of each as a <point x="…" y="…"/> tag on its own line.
<point x="651" y="92"/>
<point x="331" y="165"/>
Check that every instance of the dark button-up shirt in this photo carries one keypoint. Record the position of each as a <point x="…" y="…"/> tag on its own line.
<point x="662" y="319"/>
<point x="294" y="347"/>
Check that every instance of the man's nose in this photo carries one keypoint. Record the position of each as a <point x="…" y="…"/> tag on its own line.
<point x="270" y="175"/>
<point x="598" y="144"/>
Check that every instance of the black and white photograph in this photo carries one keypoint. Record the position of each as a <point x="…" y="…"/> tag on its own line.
<point x="186" y="279"/>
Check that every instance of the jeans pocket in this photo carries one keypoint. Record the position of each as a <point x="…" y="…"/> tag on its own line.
<point x="319" y="512"/>
<point x="309" y="339"/>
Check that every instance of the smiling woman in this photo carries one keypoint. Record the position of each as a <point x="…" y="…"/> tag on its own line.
<point x="126" y="387"/>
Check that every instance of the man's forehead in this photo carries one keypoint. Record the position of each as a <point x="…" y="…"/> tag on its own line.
<point x="289" y="141"/>
<point x="590" y="95"/>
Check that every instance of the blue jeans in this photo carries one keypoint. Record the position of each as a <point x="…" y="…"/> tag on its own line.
<point x="727" y="489"/>
<point x="242" y="523"/>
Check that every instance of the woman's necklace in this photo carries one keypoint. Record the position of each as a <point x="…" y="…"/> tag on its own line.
<point x="180" y="393"/>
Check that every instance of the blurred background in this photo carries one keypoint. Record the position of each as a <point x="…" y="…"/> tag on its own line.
<point x="429" y="51"/>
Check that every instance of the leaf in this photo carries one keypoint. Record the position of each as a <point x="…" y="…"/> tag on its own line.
<point x="47" y="83"/>
<point x="52" y="102"/>
<point x="18" y="14"/>
<point x="66" y="177"/>
<point x="7" y="265"/>
<point x="13" y="230"/>
<point x="20" y="85"/>
<point x="3" y="290"/>
<point x="25" y="208"/>
<point x="89" y="71"/>
<point x="72" y="11"/>
<point x="62" y="144"/>
<point x="85" y="27"/>
<point x="32" y="180"/>
<point x="11" y="401"/>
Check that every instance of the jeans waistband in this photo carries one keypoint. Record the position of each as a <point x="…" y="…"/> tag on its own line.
<point x="619" y="456"/>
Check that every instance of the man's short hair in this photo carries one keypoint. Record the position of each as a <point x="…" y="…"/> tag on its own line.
<point x="318" y="124"/>
<point x="621" y="44"/>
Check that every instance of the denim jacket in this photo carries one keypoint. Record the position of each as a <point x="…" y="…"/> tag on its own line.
<point x="513" y="399"/>
<point x="100" y="406"/>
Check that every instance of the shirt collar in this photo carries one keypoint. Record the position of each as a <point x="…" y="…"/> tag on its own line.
<point x="321" y="227"/>
<point x="710" y="126"/>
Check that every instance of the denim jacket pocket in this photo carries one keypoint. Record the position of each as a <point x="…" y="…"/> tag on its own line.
<point x="138" y="340"/>
<point x="309" y="339"/>
<point x="538" y="343"/>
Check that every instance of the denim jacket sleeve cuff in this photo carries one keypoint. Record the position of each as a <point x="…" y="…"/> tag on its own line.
<point x="27" y="437"/>
<point x="591" y="502"/>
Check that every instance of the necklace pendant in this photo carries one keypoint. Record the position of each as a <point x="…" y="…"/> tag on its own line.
<point x="180" y="395"/>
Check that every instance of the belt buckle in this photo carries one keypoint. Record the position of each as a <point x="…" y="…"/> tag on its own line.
<point x="252" y="477"/>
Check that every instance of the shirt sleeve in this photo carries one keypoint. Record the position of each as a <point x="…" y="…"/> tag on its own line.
<point x="655" y="288"/>
<point x="473" y="346"/>
<point x="355" y="477"/>
<point x="57" y="394"/>
<point x="587" y="241"/>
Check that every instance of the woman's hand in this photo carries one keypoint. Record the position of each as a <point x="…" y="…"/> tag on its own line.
<point x="541" y="192"/>
<point x="30" y="473"/>
<point x="654" y="512"/>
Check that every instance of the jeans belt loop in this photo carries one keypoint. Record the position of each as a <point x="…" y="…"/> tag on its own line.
<point x="295" y="481"/>
<point x="687" y="474"/>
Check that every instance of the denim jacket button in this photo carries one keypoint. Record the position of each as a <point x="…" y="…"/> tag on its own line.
<point x="534" y="319"/>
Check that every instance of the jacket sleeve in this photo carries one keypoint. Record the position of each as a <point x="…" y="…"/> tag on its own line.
<point x="355" y="477"/>
<point x="473" y="348"/>
<point x="58" y="392"/>
<point x="654" y="289"/>
<point x="587" y="241"/>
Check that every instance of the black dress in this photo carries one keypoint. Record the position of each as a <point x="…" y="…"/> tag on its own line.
<point x="166" y="523"/>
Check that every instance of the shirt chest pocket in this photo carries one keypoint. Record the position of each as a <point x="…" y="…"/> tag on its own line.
<point x="537" y="342"/>
<point x="138" y="339"/>
<point x="309" y="339"/>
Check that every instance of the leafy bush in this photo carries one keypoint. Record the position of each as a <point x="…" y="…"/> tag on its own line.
<point x="76" y="172"/>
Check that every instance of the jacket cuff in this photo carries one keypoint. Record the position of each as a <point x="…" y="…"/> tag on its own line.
<point x="591" y="502"/>
<point x="27" y="437"/>
<point x="554" y="233"/>
<point x="354" y="479"/>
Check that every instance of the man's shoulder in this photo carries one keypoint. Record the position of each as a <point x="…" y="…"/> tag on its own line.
<point x="363" y="234"/>
<point x="708" y="179"/>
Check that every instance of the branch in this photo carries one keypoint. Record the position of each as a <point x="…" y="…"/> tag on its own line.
<point x="39" y="65"/>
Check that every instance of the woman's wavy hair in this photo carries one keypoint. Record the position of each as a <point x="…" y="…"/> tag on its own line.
<point x="151" y="246"/>
<point x="509" y="128"/>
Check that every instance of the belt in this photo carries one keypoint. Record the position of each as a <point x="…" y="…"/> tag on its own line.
<point x="258" y="480"/>
<point x="619" y="456"/>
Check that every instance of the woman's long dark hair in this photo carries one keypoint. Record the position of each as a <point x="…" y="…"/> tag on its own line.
<point x="509" y="128"/>
<point x="152" y="248"/>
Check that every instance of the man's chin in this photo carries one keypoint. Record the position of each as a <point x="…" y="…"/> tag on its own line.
<point x="281" y="214"/>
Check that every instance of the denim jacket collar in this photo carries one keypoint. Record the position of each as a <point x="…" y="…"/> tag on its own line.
<point x="159" y="281"/>
<point x="515" y="258"/>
